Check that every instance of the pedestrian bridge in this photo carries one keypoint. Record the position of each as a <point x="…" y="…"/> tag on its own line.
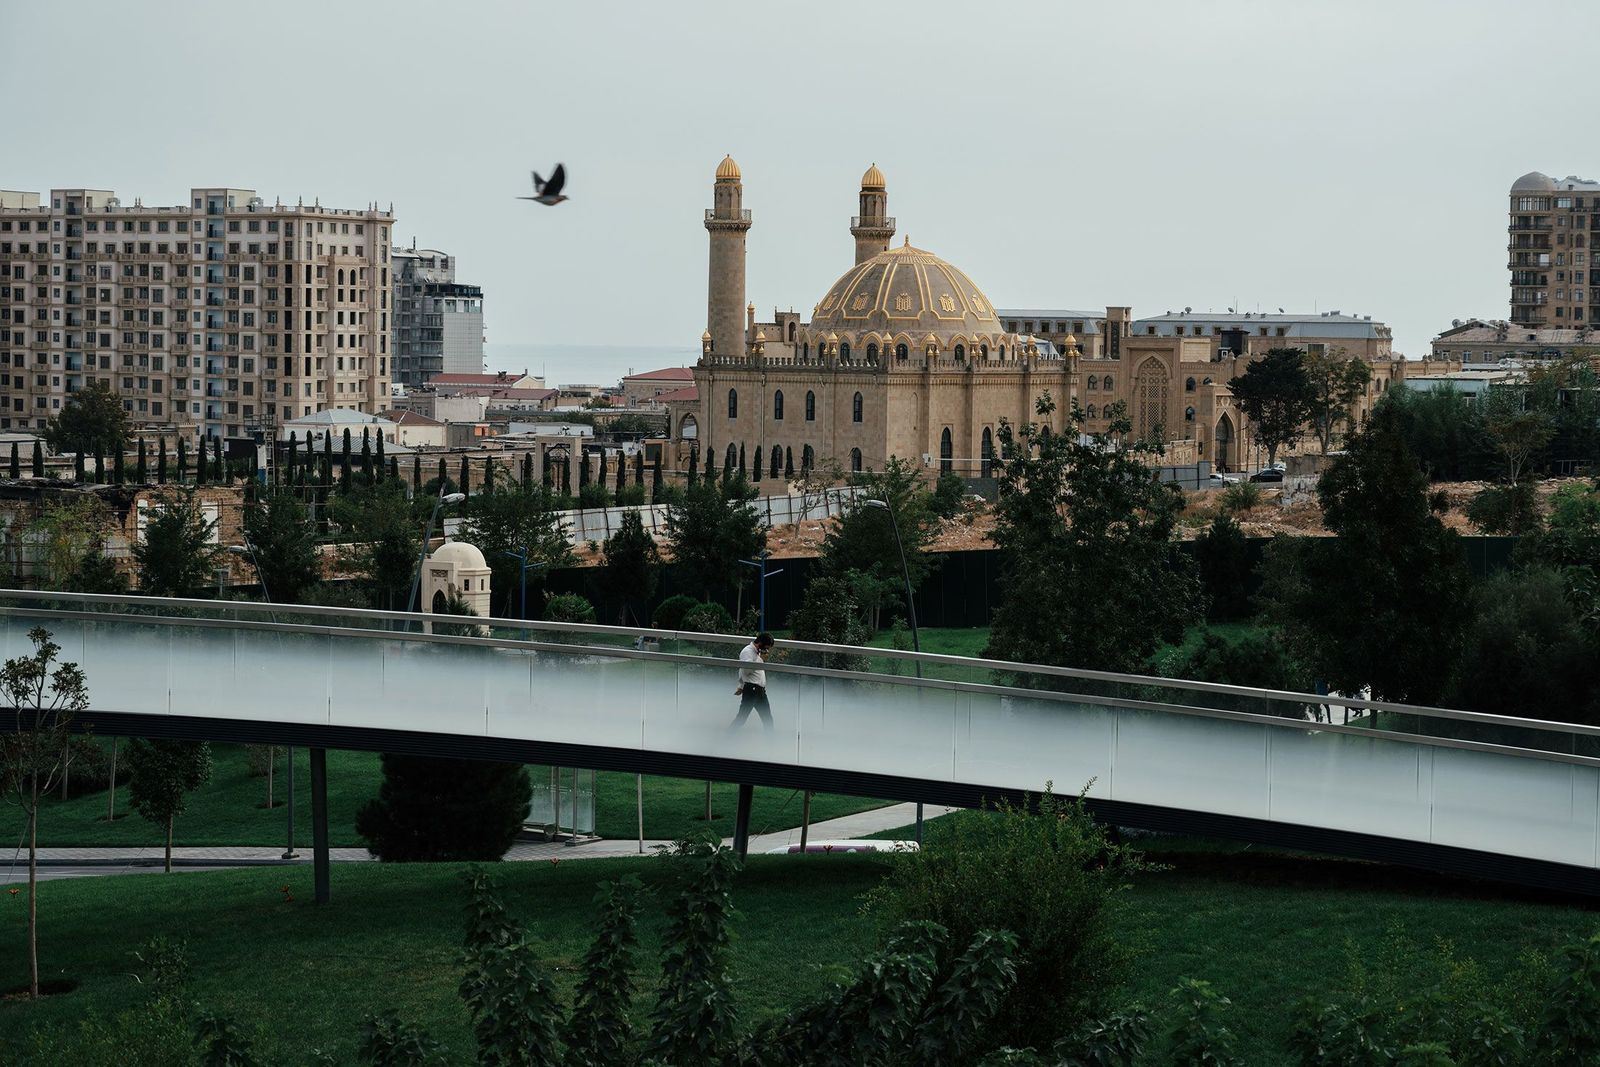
<point x="1506" y="798"/>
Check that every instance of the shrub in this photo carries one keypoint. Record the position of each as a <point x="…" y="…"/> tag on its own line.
<point x="670" y="612"/>
<point x="709" y="619"/>
<point x="948" y="493"/>
<point x="1200" y="1035"/>
<point x="1506" y="509"/>
<point x="568" y="607"/>
<point x="387" y="1040"/>
<point x="445" y="809"/>
<point x="1258" y="660"/>
<point x="1569" y="1032"/>
<point x="1240" y="496"/>
<point x="1051" y="878"/>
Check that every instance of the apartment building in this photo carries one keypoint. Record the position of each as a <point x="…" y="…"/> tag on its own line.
<point x="210" y="317"/>
<point x="438" y="322"/>
<point x="1552" y="223"/>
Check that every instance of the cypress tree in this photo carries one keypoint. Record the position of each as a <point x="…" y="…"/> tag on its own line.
<point x="622" y="475"/>
<point x="382" y="459"/>
<point x="566" y="477"/>
<point x="711" y="464"/>
<point x="755" y="465"/>
<point x="99" y="466"/>
<point x="583" y="470"/>
<point x="744" y="472"/>
<point x="788" y="463"/>
<point x="443" y="476"/>
<point x="200" y="463"/>
<point x="161" y="461"/>
<point x="694" y="467"/>
<point x="327" y="447"/>
<point x="638" y="468"/>
<point x="183" y="459"/>
<point x="77" y="466"/>
<point x="544" y="468"/>
<point x="143" y="467"/>
<point x="38" y="459"/>
<point x="527" y="470"/>
<point x="777" y="461"/>
<point x="601" y="478"/>
<point x="294" y="456"/>
<point x="119" y="466"/>
<point x="16" y="461"/>
<point x="416" y="471"/>
<point x="366" y="459"/>
<point x="466" y="477"/>
<point x="488" y="475"/>
<point x="221" y="466"/>
<point x="727" y="467"/>
<point x="655" y="479"/>
<point x="394" y="468"/>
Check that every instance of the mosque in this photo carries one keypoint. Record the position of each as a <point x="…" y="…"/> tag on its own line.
<point x="906" y="356"/>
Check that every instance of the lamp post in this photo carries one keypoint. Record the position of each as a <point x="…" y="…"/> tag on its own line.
<point x="761" y="581"/>
<point x="427" y="535"/>
<point x="249" y="551"/>
<point x="522" y="560"/>
<point x="911" y="607"/>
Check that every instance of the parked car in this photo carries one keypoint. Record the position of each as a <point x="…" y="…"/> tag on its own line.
<point x="1268" y="474"/>
<point x="1218" y="478"/>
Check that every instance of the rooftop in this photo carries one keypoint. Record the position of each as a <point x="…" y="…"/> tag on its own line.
<point x="692" y="393"/>
<point x="402" y="417"/>
<point x="678" y="374"/>
<point x="1491" y="331"/>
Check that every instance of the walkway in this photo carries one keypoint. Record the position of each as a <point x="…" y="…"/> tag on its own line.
<point x="81" y="862"/>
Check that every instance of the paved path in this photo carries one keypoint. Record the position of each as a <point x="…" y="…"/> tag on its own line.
<point x="81" y="862"/>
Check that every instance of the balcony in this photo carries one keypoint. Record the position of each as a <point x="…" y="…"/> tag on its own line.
<point x="874" y="223"/>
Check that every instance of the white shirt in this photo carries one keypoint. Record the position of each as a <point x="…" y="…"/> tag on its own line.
<point x="749" y="654"/>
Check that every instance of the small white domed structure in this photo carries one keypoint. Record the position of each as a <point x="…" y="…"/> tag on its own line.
<point x="456" y="569"/>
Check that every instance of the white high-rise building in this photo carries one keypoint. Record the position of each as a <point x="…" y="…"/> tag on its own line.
<point x="438" y="322"/>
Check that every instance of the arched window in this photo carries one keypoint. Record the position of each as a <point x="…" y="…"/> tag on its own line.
<point x="689" y="428"/>
<point x="844" y="351"/>
<point x="341" y="277"/>
<point x="855" y="461"/>
<point x="986" y="451"/>
<point x="961" y="353"/>
<point x="1002" y="353"/>
<point x="983" y="353"/>
<point x="1206" y="382"/>
<point x="807" y="458"/>
<point x="1188" y="386"/>
<point x="872" y="353"/>
<point x="1091" y="413"/>
<point x="733" y="403"/>
<point x="1150" y="400"/>
<point x="1105" y="383"/>
<point x="777" y="406"/>
<point x="805" y="350"/>
<point x="811" y="406"/>
<point x="791" y="333"/>
<point x="1093" y="381"/>
<point x="777" y="461"/>
<point x="901" y="352"/>
<point x="947" y="451"/>
<point x="1188" y="414"/>
<point x="855" y="408"/>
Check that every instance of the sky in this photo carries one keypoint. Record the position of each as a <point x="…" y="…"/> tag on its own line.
<point x="1345" y="155"/>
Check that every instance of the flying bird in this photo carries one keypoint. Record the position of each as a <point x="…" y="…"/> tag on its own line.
<point x="548" y="192"/>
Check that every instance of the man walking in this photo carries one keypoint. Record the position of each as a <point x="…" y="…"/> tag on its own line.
<point x="752" y="688"/>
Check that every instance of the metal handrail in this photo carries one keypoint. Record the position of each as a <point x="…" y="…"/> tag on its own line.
<point x="613" y="652"/>
<point x="1008" y="666"/>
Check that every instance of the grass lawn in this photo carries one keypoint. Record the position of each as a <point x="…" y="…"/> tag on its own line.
<point x="230" y="809"/>
<point x="1264" y="929"/>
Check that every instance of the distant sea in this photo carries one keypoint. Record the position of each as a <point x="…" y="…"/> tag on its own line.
<point x="586" y="364"/>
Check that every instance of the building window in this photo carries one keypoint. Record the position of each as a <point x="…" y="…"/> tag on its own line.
<point x="901" y="352"/>
<point x="986" y="452"/>
<point x="946" y="451"/>
<point x="689" y="428"/>
<point x="872" y="352"/>
<point x="1106" y="383"/>
<point x="811" y="406"/>
<point x="1188" y="386"/>
<point x="855" y="461"/>
<point x="777" y="406"/>
<point x="1093" y="381"/>
<point x="1091" y="412"/>
<point x="733" y="403"/>
<point x="1188" y="414"/>
<point x="844" y="351"/>
<point x="961" y="353"/>
<point x="855" y="408"/>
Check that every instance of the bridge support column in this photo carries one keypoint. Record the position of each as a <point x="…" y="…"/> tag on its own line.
<point x="319" y="823"/>
<point x="741" y="821"/>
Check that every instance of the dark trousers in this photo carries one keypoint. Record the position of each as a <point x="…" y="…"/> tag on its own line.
<point x="754" y="697"/>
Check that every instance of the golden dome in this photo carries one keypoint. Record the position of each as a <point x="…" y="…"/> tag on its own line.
<point x="873" y="178"/>
<point x="906" y="290"/>
<point x="728" y="170"/>
<point x="706" y="336"/>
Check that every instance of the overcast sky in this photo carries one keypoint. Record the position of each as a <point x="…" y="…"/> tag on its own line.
<point x="1350" y="155"/>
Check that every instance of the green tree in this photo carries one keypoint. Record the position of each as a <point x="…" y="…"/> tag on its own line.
<point x="633" y="567"/>
<point x="285" y="544"/>
<point x="1444" y="429"/>
<point x="444" y="809"/>
<point x="1337" y="382"/>
<point x="379" y="540"/>
<point x="862" y="540"/>
<point x="1392" y="569"/>
<point x="598" y="1032"/>
<point x="38" y="458"/>
<point x="1277" y="396"/>
<point x="46" y="695"/>
<point x="709" y="534"/>
<point x="1570" y="543"/>
<point x="694" y="1019"/>
<point x="1519" y="425"/>
<point x="568" y="607"/>
<point x="1090" y="574"/>
<point x="92" y="420"/>
<point x="831" y="613"/>
<point x="1525" y="651"/>
<point x="1257" y="660"/>
<point x="66" y="532"/>
<point x="508" y="518"/>
<point x="178" y="553"/>
<point x="1227" y="570"/>
<point x="161" y="775"/>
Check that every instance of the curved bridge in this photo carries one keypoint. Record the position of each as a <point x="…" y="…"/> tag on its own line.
<point x="1505" y="798"/>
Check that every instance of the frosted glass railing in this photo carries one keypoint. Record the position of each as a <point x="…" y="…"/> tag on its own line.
<point x="1187" y="746"/>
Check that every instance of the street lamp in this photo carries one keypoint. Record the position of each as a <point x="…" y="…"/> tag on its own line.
<point x="427" y="535"/>
<point x="911" y="609"/>
<point x="522" y="560"/>
<point x="248" y="551"/>
<point x="762" y="575"/>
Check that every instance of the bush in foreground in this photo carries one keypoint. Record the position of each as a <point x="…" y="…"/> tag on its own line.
<point x="445" y="809"/>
